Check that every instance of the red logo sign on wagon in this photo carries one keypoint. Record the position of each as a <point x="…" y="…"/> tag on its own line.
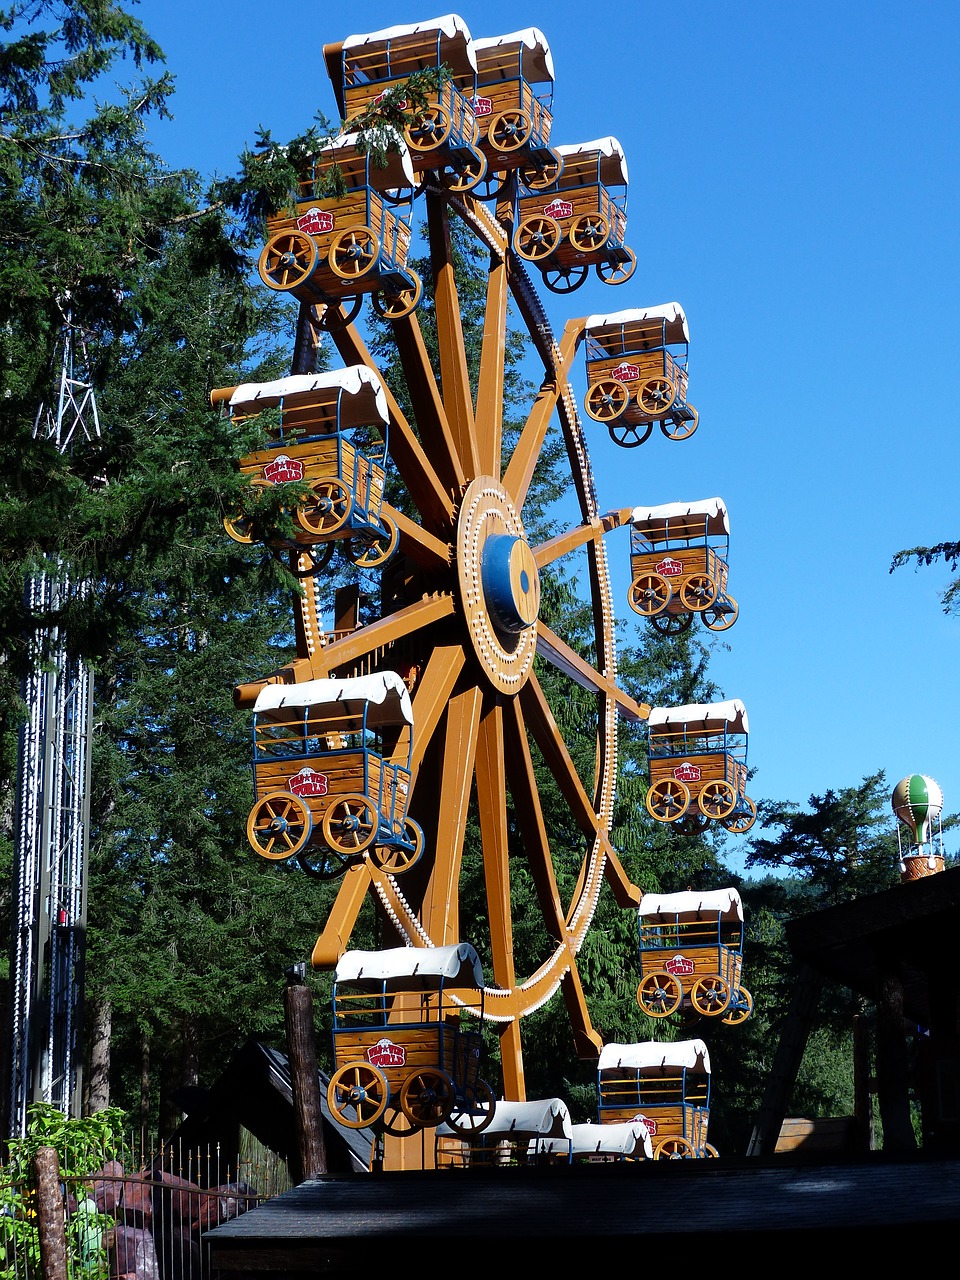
<point x="315" y="221"/>
<point x="650" y="1125"/>
<point x="559" y="209"/>
<point x="308" y="782"/>
<point x="386" y="1054"/>
<point x="283" y="469"/>
<point x="687" y="772"/>
<point x="679" y="966"/>
<point x="670" y="568"/>
<point x="625" y="372"/>
<point x="401" y="105"/>
<point x="482" y="106"/>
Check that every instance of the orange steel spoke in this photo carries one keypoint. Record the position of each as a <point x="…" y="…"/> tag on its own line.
<point x="428" y="551"/>
<point x="414" y="617"/>
<point x="489" y="411"/>
<point x="430" y="699"/>
<point x="523" y="462"/>
<point x="526" y="801"/>
<point x="587" y="1042"/>
<point x="539" y="719"/>
<point x="563" y="543"/>
<point x="332" y="943"/>
<point x="566" y="659"/>
<point x="432" y="421"/>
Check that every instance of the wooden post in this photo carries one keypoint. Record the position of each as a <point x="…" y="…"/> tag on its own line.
<point x="304" y="1078"/>
<point x="51" y="1223"/>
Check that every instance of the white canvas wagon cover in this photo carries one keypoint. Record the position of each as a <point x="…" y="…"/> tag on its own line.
<point x="724" y="902"/>
<point x="452" y="33"/>
<point x="650" y="520"/>
<point x="630" y="1138"/>
<point x="384" y="696"/>
<point x="397" y="171"/>
<point x="607" y="152"/>
<point x="730" y="715"/>
<point x="536" y="63"/>
<point x="651" y="1056"/>
<point x="363" y="402"/>
<point x="456" y="965"/>
<point x="541" y="1118"/>
<point x="672" y="312"/>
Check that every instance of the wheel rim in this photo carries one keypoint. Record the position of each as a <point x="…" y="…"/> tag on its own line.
<point x="680" y="427"/>
<point x="361" y="1088"/>
<point x="328" y="511"/>
<point x="738" y="823"/>
<point x="394" y="306"/>
<point x="429" y="131"/>
<point x="673" y="1149"/>
<point x="353" y="253"/>
<point x="540" y="176"/>
<point x="606" y="401"/>
<point x="698" y="592"/>
<point x="279" y="826"/>
<point x="650" y="594"/>
<point x="478" y="1115"/>
<point x="671" y="624"/>
<point x="565" y="279"/>
<point x="287" y="260"/>
<point x="655" y="396"/>
<point x="374" y="550"/>
<point x="589" y="232"/>
<point x="629" y="435"/>
<point x="467" y="171"/>
<point x="617" y="272"/>
<point x="659" y="994"/>
<point x="396" y="858"/>
<point x="710" y="996"/>
<point x="536" y="238"/>
<point x="427" y="1098"/>
<point x="350" y="824"/>
<point x="334" y="316"/>
<point x="740" y="1008"/>
<point x="667" y="800"/>
<point x="717" y="799"/>
<point x="720" y="616"/>
<point x="509" y="131"/>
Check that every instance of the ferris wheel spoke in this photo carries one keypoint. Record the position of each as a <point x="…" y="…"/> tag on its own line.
<point x="523" y="461"/>
<point x="561" y="655"/>
<point x="539" y="719"/>
<point x="332" y="943"/>
<point x="430" y="697"/>
<point x="489" y="408"/>
<point x="429" y="552"/>
<point x="377" y="635"/>
<point x="432" y="423"/>
<point x="554" y="548"/>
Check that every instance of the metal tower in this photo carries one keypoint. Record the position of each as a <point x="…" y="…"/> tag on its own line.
<point x="50" y="902"/>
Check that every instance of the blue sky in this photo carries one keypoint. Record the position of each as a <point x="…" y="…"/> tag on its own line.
<point x="794" y="186"/>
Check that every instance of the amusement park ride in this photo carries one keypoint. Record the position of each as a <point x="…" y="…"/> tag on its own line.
<point x="382" y="749"/>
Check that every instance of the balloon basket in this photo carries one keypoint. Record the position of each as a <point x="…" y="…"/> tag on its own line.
<point x="921" y="865"/>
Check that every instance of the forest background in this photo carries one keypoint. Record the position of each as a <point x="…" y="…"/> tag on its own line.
<point x="189" y="934"/>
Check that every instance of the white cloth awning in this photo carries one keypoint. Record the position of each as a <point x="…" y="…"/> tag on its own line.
<point x="631" y="1138"/>
<point x="712" y="510"/>
<point x="522" y="1121"/>
<point x="453" y="34"/>
<point x="361" y="385"/>
<point x="383" y="694"/>
<point x="608" y="154"/>
<point x="730" y="715"/>
<point x="396" y="173"/>
<point x="458" y="965"/>
<point x="536" y="61"/>
<point x="652" y="1055"/>
<point x="672" y="312"/>
<point x="725" y="902"/>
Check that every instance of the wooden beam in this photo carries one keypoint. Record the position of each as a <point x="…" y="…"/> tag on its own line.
<point x="561" y="655"/>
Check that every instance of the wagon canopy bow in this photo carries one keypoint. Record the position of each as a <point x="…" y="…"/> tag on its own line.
<point x="363" y="402"/>
<point x="677" y="329"/>
<point x="652" y="1056"/>
<point x="383" y="696"/>
<point x="726" y="902"/>
<point x="536" y="61"/>
<point x="428" y="967"/>
<point x="713" y="510"/>
<point x="605" y="152"/>
<point x="730" y="715"/>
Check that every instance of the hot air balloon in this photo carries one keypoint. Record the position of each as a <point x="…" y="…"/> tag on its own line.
<point x="918" y="802"/>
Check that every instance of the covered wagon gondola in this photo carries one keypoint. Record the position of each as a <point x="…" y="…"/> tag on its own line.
<point x="610" y="1143"/>
<point x="406" y="1046"/>
<point x="666" y="1087"/>
<point x="328" y="431"/>
<point x="515" y="1133"/>
<point x="580" y="221"/>
<point x="691" y="955"/>
<point x="331" y="774"/>
<point x="637" y="373"/>
<point x="697" y="756"/>
<point x="444" y="132"/>
<point x="349" y="234"/>
<point x="679" y="557"/>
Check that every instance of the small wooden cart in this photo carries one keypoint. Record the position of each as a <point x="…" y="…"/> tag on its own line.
<point x="513" y="108"/>
<point x="329" y="431"/>
<point x="405" y="1055"/>
<point x="697" y="757"/>
<point x="580" y="221"/>
<point x="445" y="131"/>
<point x="691" y="955"/>
<point x="664" y="1086"/>
<point x="637" y="373"/>
<point x="331" y="774"/>
<point x="679" y="555"/>
<point x="516" y="1133"/>
<point x="349" y="234"/>
<point x="610" y="1143"/>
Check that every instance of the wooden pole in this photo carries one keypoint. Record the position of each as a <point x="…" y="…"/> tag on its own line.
<point x="304" y="1077"/>
<point x="51" y="1223"/>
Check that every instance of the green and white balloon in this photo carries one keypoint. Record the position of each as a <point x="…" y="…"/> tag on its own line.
<point x="917" y="801"/>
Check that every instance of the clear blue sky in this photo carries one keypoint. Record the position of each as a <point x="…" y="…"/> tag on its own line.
<point x="794" y="186"/>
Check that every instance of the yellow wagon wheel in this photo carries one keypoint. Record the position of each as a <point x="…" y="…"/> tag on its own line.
<point x="710" y="995"/>
<point x="394" y="306"/>
<point x="650" y="593"/>
<point x="717" y="799"/>
<point x="429" y="131"/>
<point x="740" y="1008"/>
<point x="338" y="314"/>
<point x="536" y="238"/>
<point x="629" y="434"/>
<point x="606" y="400"/>
<point x="395" y="858"/>
<point x="671" y="624"/>
<point x="350" y="824"/>
<point x="738" y="823"/>
<point x="711" y="1152"/>
<point x="656" y="395"/>
<point x="239" y="526"/>
<point x="680" y="426"/>
<point x="372" y="551"/>
<point x="563" y="279"/>
<point x="478" y="1113"/>
<point x="353" y="253"/>
<point x="673" y="1149"/>
<point x="619" y="270"/>
<point x="328" y="510"/>
<point x="509" y="131"/>
<point x="288" y="259"/>
<point x="698" y="591"/>
<point x="357" y="1094"/>
<point x="721" y="616"/>
<point x="542" y="172"/>
<point x="659" y="994"/>
<point x="427" y="1097"/>
<point x="279" y="826"/>
<point x="667" y="799"/>
<point x="466" y="170"/>
<point x="589" y="232"/>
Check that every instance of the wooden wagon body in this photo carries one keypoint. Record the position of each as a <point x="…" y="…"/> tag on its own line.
<point x="580" y="221"/>
<point x="329" y="431"/>
<point x="445" y="131"/>
<point x="349" y="234"/>
<point x="691" y="955"/>
<point x="637" y="373"/>
<point x="404" y="1052"/>
<point x="513" y="109"/>
<point x="536" y="1132"/>
<point x="697" y="757"/>
<point x="679" y="561"/>
<point x="331" y="774"/>
<point x="666" y="1087"/>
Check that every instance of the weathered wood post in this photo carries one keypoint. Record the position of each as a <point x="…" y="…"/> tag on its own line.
<point x="51" y="1221"/>
<point x="304" y="1078"/>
